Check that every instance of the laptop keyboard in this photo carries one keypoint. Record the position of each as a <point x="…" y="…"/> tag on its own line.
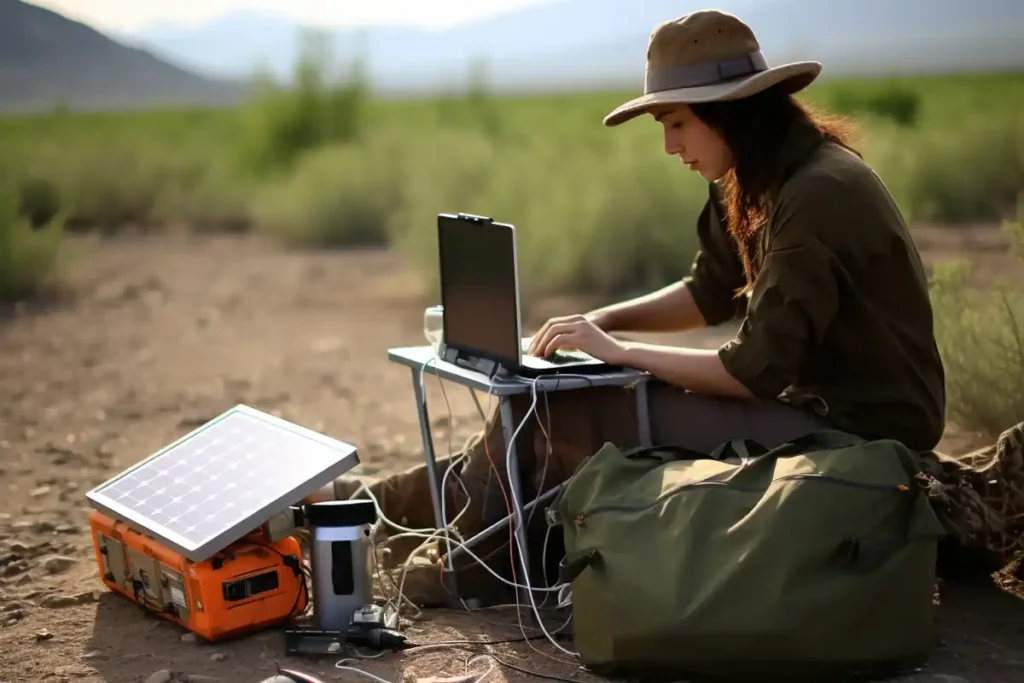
<point x="561" y="357"/>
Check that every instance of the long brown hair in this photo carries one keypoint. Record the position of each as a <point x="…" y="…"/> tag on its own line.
<point x="755" y="129"/>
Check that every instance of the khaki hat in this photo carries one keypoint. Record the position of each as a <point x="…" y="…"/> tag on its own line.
<point x="706" y="56"/>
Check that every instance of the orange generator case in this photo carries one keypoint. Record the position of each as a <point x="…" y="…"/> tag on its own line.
<point x="249" y="585"/>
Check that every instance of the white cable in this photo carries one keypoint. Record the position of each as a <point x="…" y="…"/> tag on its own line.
<point x="343" y="664"/>
<point x="517" y="515"/>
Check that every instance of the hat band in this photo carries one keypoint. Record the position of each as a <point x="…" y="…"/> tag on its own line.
<point x="705" y="73"/>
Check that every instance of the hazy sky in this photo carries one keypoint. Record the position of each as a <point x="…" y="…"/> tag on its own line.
<point x="125" y="15"/>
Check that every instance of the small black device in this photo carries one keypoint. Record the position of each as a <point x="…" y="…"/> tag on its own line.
<point x="479" y="278"/>
<point x="373" y="627"/>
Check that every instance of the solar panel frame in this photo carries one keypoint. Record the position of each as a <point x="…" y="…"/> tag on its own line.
<point x="200" y="550"/>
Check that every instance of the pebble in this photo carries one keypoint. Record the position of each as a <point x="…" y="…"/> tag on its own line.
<point x="58" y="564"/>
<point x="39" y="492"/>
<point x="58" y="601"/>
<point x="161" y="676"/>
<point x="218" y="656"/>
<point x="75" y="671"/>
<point x="15" y="568"/>
<point x="43" y="635"/>
<point x="189" y="638"/>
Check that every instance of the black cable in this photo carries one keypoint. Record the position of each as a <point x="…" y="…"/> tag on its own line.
<point x="528" y="672"/>
<point x="304" y="577"/>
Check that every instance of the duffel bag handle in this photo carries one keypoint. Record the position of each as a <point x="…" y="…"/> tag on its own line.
<point x="750" y="448"/>
<point x="746" y="449"/>
<point x="665" y="453"/>
<point x="573" y="564"/>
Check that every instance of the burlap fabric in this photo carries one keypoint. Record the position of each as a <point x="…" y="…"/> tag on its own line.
<point x="980" y="496"/>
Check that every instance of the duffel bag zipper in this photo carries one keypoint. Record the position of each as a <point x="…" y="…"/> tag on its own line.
<point x="581" y="517"/>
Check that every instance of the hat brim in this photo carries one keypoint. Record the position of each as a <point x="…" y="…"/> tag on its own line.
<point x="792" y="77"/>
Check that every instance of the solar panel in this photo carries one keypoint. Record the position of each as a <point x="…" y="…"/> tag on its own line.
<point x="223" y="480"/>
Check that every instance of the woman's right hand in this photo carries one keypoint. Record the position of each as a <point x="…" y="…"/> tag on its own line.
<point x="597" y="319"/>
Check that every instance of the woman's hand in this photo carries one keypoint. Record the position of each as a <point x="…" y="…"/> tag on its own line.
<point x="576" y="332"/>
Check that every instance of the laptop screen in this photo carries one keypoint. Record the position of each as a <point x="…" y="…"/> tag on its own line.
<point x="478" y="288"/>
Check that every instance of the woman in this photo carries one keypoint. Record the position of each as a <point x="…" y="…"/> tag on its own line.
<point x="798" y="237"/>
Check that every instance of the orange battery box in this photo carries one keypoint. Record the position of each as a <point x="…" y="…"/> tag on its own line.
<point x="250" y="585"/>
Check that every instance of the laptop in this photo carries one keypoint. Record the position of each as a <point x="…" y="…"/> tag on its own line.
<point x="479" y="279"/>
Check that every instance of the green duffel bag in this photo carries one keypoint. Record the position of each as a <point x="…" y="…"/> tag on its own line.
<point x="811" y="561"/>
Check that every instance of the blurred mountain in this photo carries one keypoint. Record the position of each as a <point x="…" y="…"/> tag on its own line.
<point x="47" y="60"/>
<point x="587" y="43"/>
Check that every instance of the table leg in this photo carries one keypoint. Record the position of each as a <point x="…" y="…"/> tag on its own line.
<point x="643" y="416"/>
<point x="428" y="449"/>
<point x="509" y="427"/>
<point x="479" y="408"/>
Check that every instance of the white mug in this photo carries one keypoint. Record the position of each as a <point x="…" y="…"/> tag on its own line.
<point x="433" y="327"/>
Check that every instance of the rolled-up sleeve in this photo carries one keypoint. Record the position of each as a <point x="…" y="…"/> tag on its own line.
<point x="794" y="298"/>
<point x="716" y="273"/>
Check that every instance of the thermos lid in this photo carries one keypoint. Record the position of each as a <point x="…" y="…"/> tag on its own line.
<point x="341" y="513"/>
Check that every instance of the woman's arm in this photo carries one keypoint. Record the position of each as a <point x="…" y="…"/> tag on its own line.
<point x="669" y="309"/>
<point x="697" y="370"/>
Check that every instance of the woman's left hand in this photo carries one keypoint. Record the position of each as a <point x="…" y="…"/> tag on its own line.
<point x="576" y="332"/>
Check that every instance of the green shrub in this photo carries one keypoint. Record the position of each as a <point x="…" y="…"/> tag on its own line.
<point x="338" y="196"/>
<point x="890" y="99"/>
<point x="598" y="218"/>
<point x="280" y="123"/>
<point x="981" y="338"/>
<point x="28" y="256"/>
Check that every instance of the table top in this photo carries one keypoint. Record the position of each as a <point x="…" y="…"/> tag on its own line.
<point x="417" y="357"/>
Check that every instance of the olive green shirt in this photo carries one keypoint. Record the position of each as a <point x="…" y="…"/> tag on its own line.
<point x="839" y="319"/>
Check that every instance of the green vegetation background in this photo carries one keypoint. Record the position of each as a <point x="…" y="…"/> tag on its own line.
<point x="600" y="211"/>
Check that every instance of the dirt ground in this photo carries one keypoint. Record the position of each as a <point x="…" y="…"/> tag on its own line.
<point x="165" y="333"/>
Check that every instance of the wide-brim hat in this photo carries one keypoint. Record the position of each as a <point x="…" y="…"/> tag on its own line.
<point x="707" y="56"/>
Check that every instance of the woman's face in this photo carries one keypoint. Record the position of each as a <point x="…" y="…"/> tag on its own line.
<point x="696" y="144"/>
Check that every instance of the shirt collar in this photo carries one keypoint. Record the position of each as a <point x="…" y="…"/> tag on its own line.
<point x="802" y="139"/>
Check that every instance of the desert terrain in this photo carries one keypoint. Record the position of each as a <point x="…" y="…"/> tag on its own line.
<point x="160" y="334"/>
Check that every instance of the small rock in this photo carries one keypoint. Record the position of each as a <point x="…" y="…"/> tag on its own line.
<point x="39" y="492"/>
<point x="94" y="655"/>
<point x="44" y="527"/>
<point x="18" y="548"/>
<point x="43" y="635"/>
<point x="58" y="601"/>
<point x="15" y="568"/>
<point x="161" y="676"/>
<point x="58" y="564"/>
<point x="7" y="558"/>
<point x="10" y="622"/>
<point x="13" y="606"/>
<point x="218" y="656"/>
<point x="66" y="529"/>
<point x="74" y="671"/>
<point x="23" y="580"/>
<point x="22" y="525"/>
<point x="189" y="638"/>
<point x="15" y="615"/>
